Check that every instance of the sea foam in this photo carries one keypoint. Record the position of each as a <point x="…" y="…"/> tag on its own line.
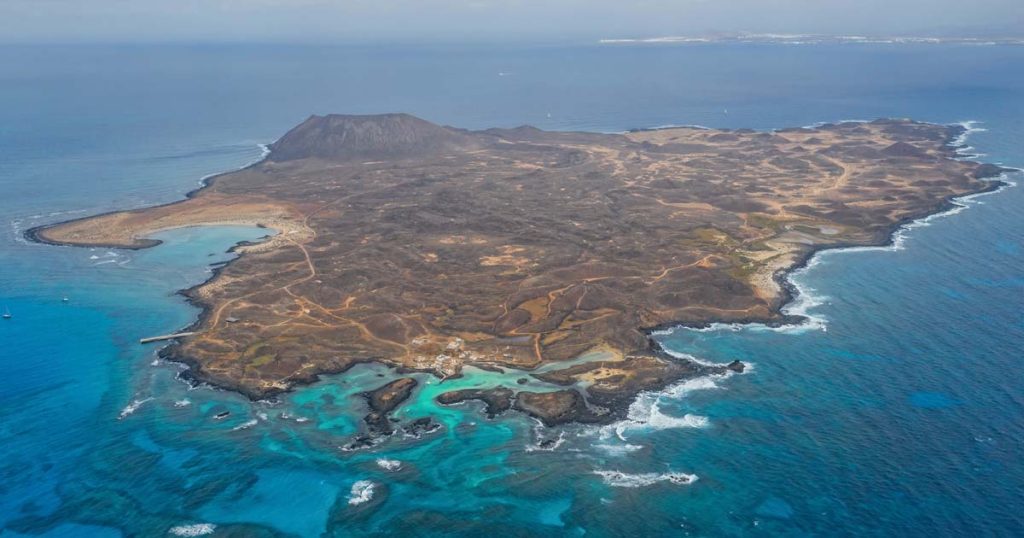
<point x="645" y="411"/>
<point x="620" y="479"/>
<point x="361" y="492"/>
<point x="132" y="408"/>
<point x="549" y="448"/>
<point x="389" y="465"/>
<point x="264" y="151"/>
<point x="198" y="529"/>
<point x="618" y="449"/>
<point x="245" y="425"/>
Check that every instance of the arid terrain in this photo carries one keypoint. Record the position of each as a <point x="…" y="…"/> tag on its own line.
<point x="429" y="248"/>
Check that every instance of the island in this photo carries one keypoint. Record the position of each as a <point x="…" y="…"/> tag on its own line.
<point x="430" y="248"/>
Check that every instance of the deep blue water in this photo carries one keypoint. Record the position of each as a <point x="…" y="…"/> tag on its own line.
<point x="903" y="416"/>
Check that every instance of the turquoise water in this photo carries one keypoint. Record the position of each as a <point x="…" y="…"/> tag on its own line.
<point x="900" y="412"/>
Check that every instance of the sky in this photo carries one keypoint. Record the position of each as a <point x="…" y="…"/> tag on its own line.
<point x="451" y="21"/>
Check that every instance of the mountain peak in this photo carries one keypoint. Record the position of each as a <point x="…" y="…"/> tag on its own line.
<point x="340" y="137"/>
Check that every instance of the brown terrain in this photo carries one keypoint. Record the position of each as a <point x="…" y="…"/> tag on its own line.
<point x="429" y="248"/>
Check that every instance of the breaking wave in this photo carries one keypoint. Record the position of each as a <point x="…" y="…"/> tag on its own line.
<point x="245" y="425"/>
<point x="132" y="408"/>
<point x="960" y="142"/>
<point x="547" y="445"/>
<point x="288" y="416"/>
<point x="198" y="529"/>
<point x="361" y="492"/>
<point x="645" y="412"/>
<point x="617" y="449"/>
<point x="389" y="465"/>
<point x="620" y="479"/>
<point x="264" y="151"/>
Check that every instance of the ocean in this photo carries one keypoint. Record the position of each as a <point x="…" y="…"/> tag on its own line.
<point x="898" y="410"/>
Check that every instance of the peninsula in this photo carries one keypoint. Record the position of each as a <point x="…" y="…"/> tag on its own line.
<point x="430" y="248"/>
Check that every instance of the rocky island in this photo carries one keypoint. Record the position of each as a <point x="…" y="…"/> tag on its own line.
<point x="431" y="248"/>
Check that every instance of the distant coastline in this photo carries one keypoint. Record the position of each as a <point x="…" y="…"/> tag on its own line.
<point x="815" y="39"/>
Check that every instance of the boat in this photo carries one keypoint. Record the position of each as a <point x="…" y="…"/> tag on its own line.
<point x="7" y="314"/>
<point x="64" y="299"/>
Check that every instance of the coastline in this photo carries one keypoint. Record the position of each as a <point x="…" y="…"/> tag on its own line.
<point x="890" y="238"/>
<point x="646" y="404"/>
<point x="35" y="233"/>
<point x="789" y="293"/>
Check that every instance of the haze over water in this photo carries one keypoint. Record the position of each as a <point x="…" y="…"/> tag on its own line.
<point x="905" y="416"/>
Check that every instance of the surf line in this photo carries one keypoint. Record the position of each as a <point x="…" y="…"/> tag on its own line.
<point x="644" y="412"/>
<point x="804" y="298"/>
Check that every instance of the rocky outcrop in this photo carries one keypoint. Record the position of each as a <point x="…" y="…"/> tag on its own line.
<point x="554" y="408"/>
<point x="736" y="366"/>
<point x="383" y="401"/>
<point x="610" y="387"/>
<point x="498" y="400"/>
<point x="420" y="427"/>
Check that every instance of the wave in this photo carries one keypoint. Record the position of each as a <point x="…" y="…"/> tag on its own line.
<point x="109" y="257"/>
<point x="184" y="402"/>
<point x="57" y="213"/>
<point x="245" y="425"/>
<point x="618" y="449"/>
<point x="645" y="413"/>
<point x="687" y="357"/>
<point x="747" y="366"/>
<point x="960" y="142"/>
<point x="132" y="408"/>
<point x="620" y="479"/>
<point x="805" y="299"/>
<point x="264" y="151"/>
<point x="389" y="465"/>
<point x="361" y="492"/>
<point x="17" y="225"/>
<point x="197" y="529"/>
<point x="546" y="445"/>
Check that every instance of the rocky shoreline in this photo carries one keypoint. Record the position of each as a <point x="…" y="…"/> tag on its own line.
<point x="610" y="385"/>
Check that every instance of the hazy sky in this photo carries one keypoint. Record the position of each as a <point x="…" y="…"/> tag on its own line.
<point x="491" y="20"/>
